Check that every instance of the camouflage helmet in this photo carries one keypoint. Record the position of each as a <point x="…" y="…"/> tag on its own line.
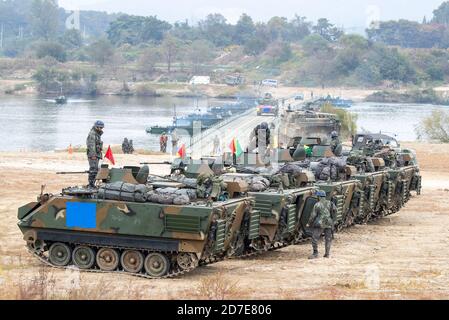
<point x="334" y="134"/>
<point x="321" y="194"/>
<point x="99" y="124"/>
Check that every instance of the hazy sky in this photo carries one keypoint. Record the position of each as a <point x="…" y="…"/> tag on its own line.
<point x="345" y="13"/>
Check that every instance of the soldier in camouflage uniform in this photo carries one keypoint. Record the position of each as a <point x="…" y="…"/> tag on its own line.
<point x="131" y="147"/>
<point x="125" y="146"/>
<point x="94" y="150"/>
<point x="322" y="219"/>
<point x="335" y="143"/>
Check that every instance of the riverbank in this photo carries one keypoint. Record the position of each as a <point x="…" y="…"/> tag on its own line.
<point x="219" y="91"/>
<point x="418" y="96"/>
<point x="111" y="87"/>
<point x="399" y="257"/>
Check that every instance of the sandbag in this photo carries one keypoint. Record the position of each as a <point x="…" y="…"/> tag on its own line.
<point x="291" y="169"/>
<point x="121" y="191"/>
<point x="257" y="183"/>
<point x="172" y="196"/>
<point x="181" y="200"/>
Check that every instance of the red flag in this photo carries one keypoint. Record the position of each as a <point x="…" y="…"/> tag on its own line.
<point x="182" y="151"/>
<point x="110" y="156"/>
<point x="232" y="146"/>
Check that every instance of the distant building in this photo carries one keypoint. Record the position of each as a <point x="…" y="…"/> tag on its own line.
<point x="200" y="80"/>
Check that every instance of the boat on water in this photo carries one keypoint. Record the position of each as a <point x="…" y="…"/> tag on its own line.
<point x="188" y="122"/>
<point x="204" y="120"/>
<point x="336" y="102"/>
<point x="61" y="100"/>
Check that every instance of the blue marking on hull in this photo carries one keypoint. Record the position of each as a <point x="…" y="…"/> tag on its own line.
<point x="81" y="215"/>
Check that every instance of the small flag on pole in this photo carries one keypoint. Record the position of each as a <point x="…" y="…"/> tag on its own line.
<point x="181" y="152"/>
<point x="110" y="156"/>
<point x="235" y="147"/>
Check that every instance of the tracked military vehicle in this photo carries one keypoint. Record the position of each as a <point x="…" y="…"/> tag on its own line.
<point x="131" y="226"/>
<point x="298" y="124"/>
<point x="382" y="153"/>
<point x="280" y="198"/>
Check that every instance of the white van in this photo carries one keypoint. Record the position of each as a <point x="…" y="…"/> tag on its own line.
<point x="270" y="83"/>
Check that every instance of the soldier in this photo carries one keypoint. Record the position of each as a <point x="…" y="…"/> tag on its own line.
<point x="125" y="146"/>
<point x="370" y="147"/>
<point x="322" y="219"/>
<point x="131" y="147"/>
<point x="94" y="150"/>
<point x="265" y="132"/>
<point x="163" y="142"/>
<point x="260" y="138"/>
<point x="335" y="144"/>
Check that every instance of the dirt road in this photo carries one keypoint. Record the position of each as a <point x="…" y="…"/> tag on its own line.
<point x="403" y="256"/>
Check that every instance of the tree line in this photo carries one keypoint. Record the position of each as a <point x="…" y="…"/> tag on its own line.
<point x="297" y="51"/>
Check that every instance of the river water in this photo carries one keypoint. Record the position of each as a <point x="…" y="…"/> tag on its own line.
<point x="41" y="125"/>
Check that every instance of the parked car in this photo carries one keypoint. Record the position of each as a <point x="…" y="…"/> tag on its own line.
<point x="270" y="83"/>
<point x="299" y="96"/>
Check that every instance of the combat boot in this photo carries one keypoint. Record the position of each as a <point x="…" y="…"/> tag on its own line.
<point x="314" y="255"/>
<point x="327" y="253"/>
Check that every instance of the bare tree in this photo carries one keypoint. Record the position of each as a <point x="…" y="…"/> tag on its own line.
<point x="170" y="48"/>
<point x="435" y="127"/>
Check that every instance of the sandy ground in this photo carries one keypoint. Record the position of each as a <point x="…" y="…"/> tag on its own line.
<point x="400" y="257"/>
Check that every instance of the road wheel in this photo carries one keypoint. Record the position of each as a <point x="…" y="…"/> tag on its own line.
<point x="83" y="257"/>
<point x="157" y="264"/>
<point x="60" y="254"/>
<point x="186" y="260"/>
<point x="132" y="261"/>
<point x="107" y="259"/>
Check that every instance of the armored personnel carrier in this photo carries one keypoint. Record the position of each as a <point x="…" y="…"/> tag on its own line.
<point x="382" y="153"/>
<point x="267" y="105"/>
<point x="281" y="199"/>
<point x="281" y="196"/>
<point x="129" y="225"/>
<point x="298" y="124"/>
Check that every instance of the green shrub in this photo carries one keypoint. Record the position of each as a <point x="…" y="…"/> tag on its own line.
<point x="348" y="120"/>
<point x="435" y="127"/>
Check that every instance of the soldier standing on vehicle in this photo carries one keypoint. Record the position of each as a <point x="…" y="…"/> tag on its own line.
<point x="322" y="220"/>
<point x="260" y="138"/>
<point x="335" y="144"/>
<point x="94" y="150"/>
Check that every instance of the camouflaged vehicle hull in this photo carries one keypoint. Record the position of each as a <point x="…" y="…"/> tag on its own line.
<point x="146" y="239"/>
<point x="281" y="213"/>
<point x="374" y="197"/>
<point x="295" y="125"/>
<point x="346" y="195"/>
